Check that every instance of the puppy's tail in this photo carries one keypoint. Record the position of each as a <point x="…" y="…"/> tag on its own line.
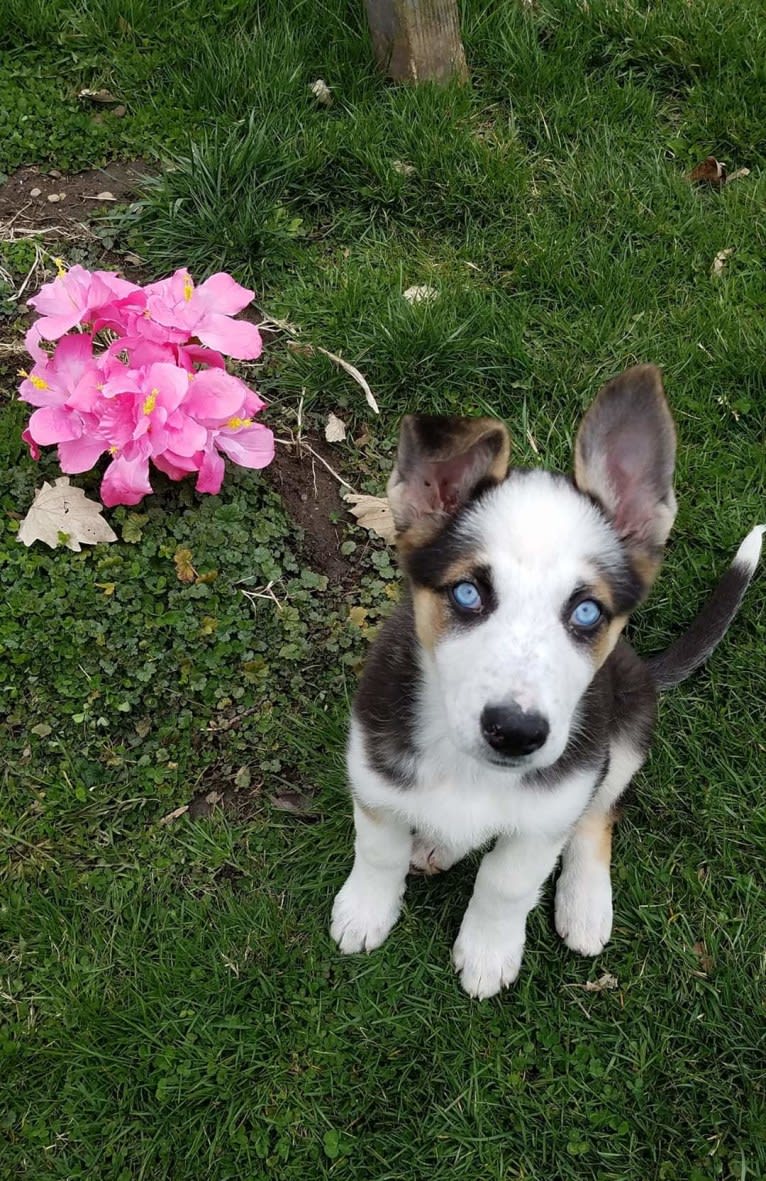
<point x="692" y="649"/>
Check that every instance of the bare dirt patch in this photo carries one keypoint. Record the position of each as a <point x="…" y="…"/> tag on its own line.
<point x="312" y="499"/>
<point x="77" y="196"/>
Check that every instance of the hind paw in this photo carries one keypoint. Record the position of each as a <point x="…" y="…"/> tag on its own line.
<point x="430" y="858"/>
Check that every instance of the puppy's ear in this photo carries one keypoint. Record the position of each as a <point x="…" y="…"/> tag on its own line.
<point x="625" y="456"/>
<point x="440" y="463"/>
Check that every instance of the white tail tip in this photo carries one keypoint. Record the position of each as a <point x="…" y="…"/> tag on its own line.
<point x="750" y="551"/>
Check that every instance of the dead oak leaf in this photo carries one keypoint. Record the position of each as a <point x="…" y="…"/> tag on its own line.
<point x="335" y="429"/>
<point x="709" y="172"/>
<point x="719" y="262"/>
<point x="98" y="96"/>
<point x="704" y="958"/>
<point x="373" y="513"/>
<point x="296" y="803"/>
<point x="358" y="616"/>
<point x="321" y="92"/>
<point x="420" y="294"/>
<point x="185" y="572"/>
<point x="62" y="515"/>
<point x="605" y="983"/>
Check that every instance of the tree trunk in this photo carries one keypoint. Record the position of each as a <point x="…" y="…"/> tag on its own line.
<point x="417" y="40"/>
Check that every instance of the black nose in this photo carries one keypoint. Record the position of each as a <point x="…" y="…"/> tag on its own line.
<point x="511" y="731"/>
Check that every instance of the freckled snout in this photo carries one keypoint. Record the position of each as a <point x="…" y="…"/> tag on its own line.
<point x="513" y="732"/>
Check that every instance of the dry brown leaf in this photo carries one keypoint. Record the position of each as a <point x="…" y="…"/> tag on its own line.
<point x="420" y="294"/>
<point x="358" y="616"/>
<point x="719" y="262"/>
<point x="402" y="168"/>
<point x="321" y="92"/>
<point x="709" y="172"/>
<point x="63" y="515"/>
<point x="372" y="513"/>
<point x="174" y="814"/>
<point x="185" y="572"/>
<point x="335" y="429"/>
<point x="97" y="96"/>
<point x="296" y="803"/>
<point x="705" y="959"/>
<point x="357" y="376"/>
<point x="605" y="983"/>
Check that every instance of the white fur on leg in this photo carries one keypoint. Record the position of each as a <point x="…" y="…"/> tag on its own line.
<point x="584" y="906"/>
<point x="584" y="889"/>
<point x="368" y="905"/>
<point x="489" y="949"/>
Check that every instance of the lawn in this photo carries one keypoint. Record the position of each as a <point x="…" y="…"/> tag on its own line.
<point x="171" y="1005"/>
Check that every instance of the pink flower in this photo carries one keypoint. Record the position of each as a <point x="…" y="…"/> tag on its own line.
<point x="126" y="481"/>
<point x="153" y="393"/>
<point x="34" y="450"/>
<point x="55" y="380"/>
<point x="67" y="395"/>
<point x="205" y="312"/>
<point x="76" y="297"/>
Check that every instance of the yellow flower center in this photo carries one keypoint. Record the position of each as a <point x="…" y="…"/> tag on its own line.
<point x="38" y="382"/>
<point x="188" y="288"/>
<point x="60" y="267"/>
<point x="150" y="402"/>
<point x="235" y="423"/>
<point x="113" y="449"/>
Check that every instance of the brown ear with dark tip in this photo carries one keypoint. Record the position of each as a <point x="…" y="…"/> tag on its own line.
<point x="440" y="463"/>
<point x="625" y="457"/>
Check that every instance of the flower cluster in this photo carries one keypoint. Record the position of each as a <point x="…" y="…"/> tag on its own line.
<point x="139" y="373"/>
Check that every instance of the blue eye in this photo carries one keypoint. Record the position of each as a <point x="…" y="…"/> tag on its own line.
<point x="586" y="614"/>
<point x="466" y="596"/>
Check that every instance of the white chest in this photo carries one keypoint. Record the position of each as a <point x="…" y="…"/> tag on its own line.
<point x="459" y="802"/>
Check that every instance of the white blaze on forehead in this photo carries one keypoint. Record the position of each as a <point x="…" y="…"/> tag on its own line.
<point x="537" y="521"/>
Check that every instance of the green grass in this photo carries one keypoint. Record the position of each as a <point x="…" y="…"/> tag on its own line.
<point x="171" y="1004"/>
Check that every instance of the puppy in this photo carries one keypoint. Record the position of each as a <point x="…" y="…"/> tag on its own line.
<point x="500" y="703"/>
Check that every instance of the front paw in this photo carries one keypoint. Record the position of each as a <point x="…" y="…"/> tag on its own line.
<point x="584" y="909"/>
<point x="486" y="957"/>
<point x="362" y="915"/>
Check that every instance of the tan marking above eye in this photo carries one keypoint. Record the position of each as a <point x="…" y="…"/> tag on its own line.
<point x="601" y="591"/>
<point x="431" y="616"/>
<point x="607" y="638"/>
